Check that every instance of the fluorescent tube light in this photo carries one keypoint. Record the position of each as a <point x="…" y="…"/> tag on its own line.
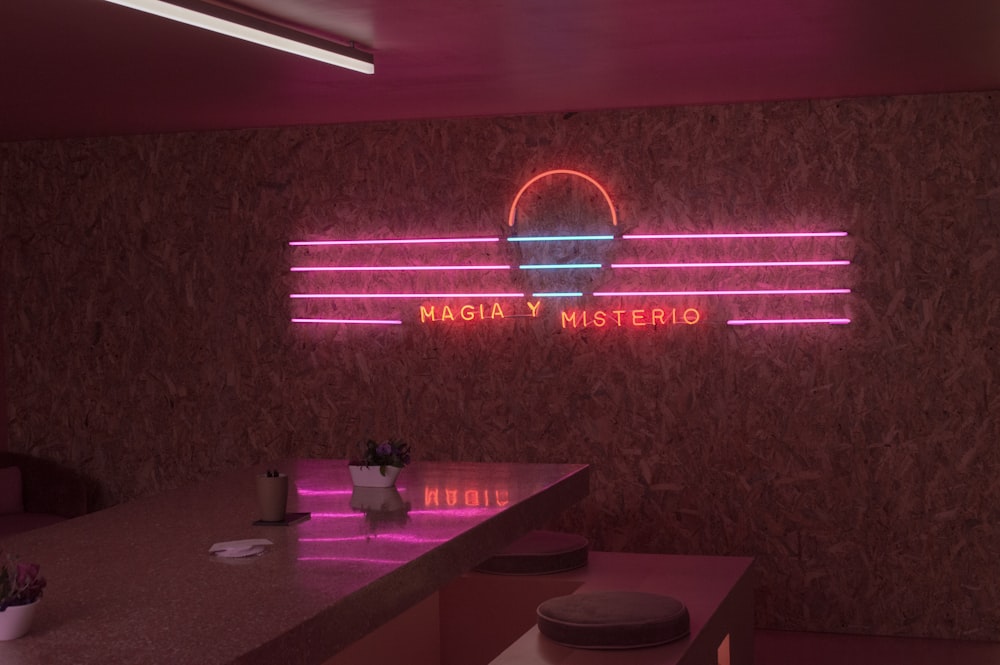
<point x="252" y="29"/>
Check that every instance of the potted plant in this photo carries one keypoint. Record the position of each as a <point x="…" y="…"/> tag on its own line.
<point x="379" y="463"/>
<point x="21" y="587"/>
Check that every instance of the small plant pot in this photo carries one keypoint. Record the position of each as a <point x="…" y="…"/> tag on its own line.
<point x="16" y="620"/>
<point x="371" y="476"/>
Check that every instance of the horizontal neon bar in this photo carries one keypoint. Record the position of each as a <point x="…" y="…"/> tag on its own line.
<point x="750" y="322"/>
<point x="731" y="264"/>
<point x="556" y="238"/>
<point x="761" y="292"/>
<point x="629" y="236"/>
<point x="391" y="268"/>
<point x="564" y="294"/>
<point x="557" y="266"/>
<point x="384" y="322"/>
<point x="388" y="241"/>
<point x="406" y="295"/>
<point x="688" y="236"/>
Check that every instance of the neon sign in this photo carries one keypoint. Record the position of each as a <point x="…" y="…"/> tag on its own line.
<point x="471" y="287"/>
<point x="482" y="312"/>
<point x="633" y="318"/>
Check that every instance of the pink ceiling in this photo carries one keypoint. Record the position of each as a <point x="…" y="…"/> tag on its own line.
<point x="86" y="67"/>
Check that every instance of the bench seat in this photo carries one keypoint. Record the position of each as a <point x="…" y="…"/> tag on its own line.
<point x="491" y="620"/>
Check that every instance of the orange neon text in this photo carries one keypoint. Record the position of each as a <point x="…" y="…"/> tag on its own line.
<point x="629" y="318"/>
<point x="480" y="312"/>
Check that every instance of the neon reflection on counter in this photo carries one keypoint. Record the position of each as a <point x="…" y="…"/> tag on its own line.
<point x="471" y="498"/>
<point x="393" y="537"/>
<point x="354" y="559"/>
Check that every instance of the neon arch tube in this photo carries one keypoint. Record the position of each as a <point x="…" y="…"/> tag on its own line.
<point x="558" y="294"/>
<point x="513" y="206"/>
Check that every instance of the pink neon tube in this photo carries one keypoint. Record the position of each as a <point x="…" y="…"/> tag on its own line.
<point x="383" y="322"/>
<point x="406" y="295"/>
<point x="690" y="236"/>
<point x="733" y="264"/>
<point x="390" y="268"/>
<point x="762" y="292"/>
<point x="750" y="322"/>
<point x="387" y="241"/>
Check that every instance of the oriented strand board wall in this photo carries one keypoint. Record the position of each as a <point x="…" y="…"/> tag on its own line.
<point x="146" y="312"/>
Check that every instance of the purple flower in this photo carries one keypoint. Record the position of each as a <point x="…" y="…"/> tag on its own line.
<point x="26" y="573"/>
<point x="387" y="453"/>
<point x="20" y="583"/>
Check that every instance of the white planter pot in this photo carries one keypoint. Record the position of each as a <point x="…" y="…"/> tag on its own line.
<point x="370" y="476"/>
<point x="16" y="620"/>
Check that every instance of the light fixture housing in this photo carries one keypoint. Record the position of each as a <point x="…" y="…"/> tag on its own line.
<point x="257" y="30"/>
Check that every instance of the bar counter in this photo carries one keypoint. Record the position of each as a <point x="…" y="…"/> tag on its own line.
<point x="136" y="583"/>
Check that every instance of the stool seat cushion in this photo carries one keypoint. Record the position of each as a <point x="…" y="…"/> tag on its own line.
<point x="539" y="553"/>
<point x="613" y="619"/>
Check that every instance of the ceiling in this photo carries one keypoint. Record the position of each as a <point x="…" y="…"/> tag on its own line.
<point x="72" y="68"/>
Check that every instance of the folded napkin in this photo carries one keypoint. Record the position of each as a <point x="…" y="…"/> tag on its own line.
<point x="239" y="548"/>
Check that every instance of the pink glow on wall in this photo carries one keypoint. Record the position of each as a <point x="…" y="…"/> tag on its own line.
<point x="513" y="206"/>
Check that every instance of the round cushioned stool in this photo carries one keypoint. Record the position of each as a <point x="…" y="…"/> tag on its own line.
<point x="539" y="553"/>
<point x="613" y="619"/>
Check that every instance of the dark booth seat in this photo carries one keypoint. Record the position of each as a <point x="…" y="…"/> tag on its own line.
<point x="36" y="492"/>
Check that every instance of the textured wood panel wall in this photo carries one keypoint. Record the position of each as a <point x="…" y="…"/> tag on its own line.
<point x="148" y="342"/>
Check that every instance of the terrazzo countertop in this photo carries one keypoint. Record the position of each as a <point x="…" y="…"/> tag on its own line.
<point x="136" y="583"/>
